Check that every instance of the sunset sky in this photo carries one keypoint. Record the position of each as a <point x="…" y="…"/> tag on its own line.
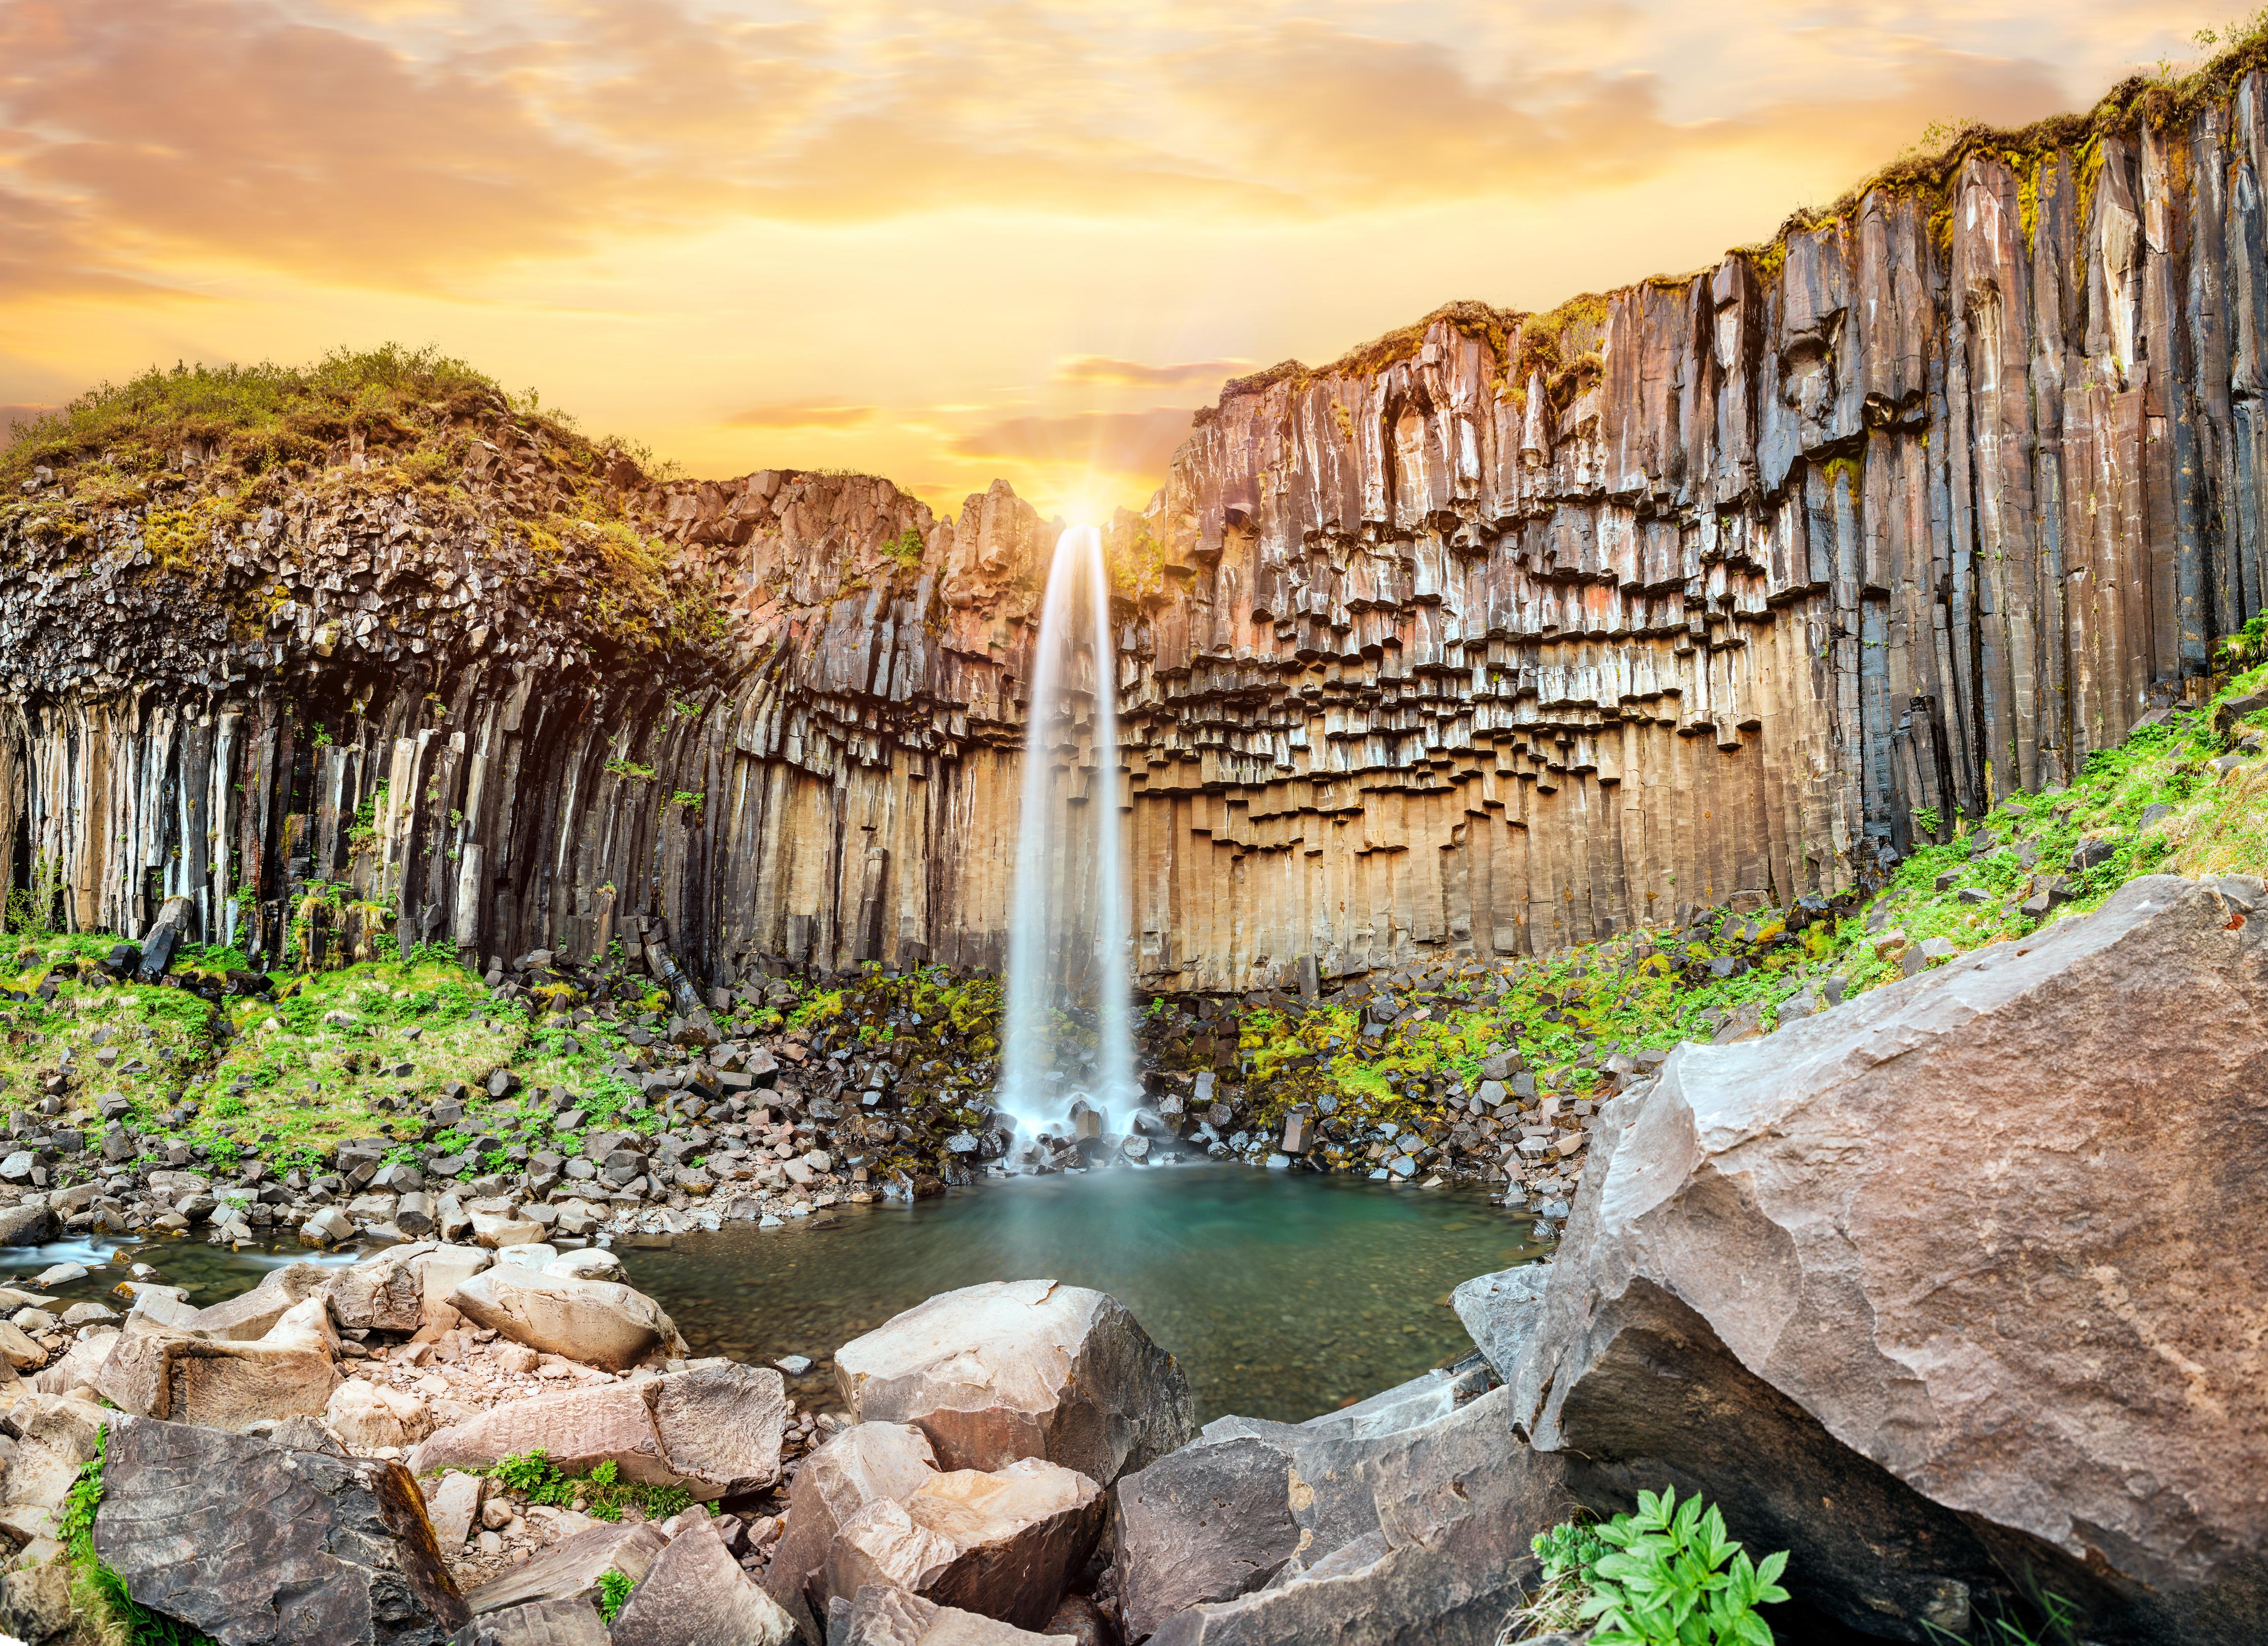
<point x="935" y="243"/>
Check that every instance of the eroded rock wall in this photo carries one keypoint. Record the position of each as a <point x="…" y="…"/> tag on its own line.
<point x="1505" y="632"/>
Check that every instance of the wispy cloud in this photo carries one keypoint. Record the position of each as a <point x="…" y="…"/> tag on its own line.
<point x="1107" y="443"/>
<point x="797" y="414"/>
<point x="1105" y="371"/>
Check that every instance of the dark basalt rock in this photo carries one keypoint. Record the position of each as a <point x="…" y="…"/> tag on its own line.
<point x="259" y="1544"/>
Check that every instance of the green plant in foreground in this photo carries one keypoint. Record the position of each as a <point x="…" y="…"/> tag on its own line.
<point x="1672" y="1577"/>
<point x="614" y="1594"/>
<point x="604" y="1493"/>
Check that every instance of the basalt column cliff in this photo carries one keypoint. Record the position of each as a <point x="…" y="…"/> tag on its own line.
<point x="1503" y="632"/>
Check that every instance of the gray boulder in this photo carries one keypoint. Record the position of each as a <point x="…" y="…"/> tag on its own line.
<point x="27" y="1225"/>
<point x="259" y="1544"/>
<point x="1209" y="1521"/>
<point x="1936" y="1258"/>
<point x="1502" y="1311"/>
<point x="1005" y="1544"/>
<point x="1410" y="1537"/>
<point x="1022" y="1369"/>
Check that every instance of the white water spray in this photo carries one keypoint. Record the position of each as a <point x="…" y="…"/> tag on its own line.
<point x="1070" y="889"/>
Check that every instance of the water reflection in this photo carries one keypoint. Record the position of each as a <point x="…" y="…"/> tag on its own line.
<point x="1282" y="1295"/>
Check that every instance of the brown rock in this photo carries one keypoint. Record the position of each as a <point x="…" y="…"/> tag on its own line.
<point x="246" y="1317"/>
<point x="1022" y="1369"/>
<point x="595" y="1321"/>
<point x="1927" y="1256"/>
<point x="163" y="1372"/>
<point x="714" y="1431"/>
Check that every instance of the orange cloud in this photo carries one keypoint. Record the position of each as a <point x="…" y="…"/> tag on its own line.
<point x="1106" y="372"/>
<point x="799" y="416"/>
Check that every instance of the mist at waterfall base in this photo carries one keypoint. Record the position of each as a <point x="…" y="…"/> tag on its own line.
<point x="1069" y="1032"/>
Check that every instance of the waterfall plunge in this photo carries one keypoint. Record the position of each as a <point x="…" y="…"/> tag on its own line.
<point x="1067" y="917"/>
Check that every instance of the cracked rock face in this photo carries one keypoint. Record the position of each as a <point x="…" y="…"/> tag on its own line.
<point x="1505" y="631"/>
<point x="258" y="1545"/>
<point x="1952" y="1258"/>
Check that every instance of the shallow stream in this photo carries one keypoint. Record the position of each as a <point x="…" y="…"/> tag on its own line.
<point x="1283" y="1295"/>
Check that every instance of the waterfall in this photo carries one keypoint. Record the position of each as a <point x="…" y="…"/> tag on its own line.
<point x="1067" y="916"/>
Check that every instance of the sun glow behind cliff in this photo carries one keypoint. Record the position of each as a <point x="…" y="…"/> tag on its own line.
<point x="1067" y="914"/>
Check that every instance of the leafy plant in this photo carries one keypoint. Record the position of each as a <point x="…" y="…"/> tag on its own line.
<point x="1927" y="822"/>
<point x="1672" y="1577"/>
<point x="2057" y="1625"/>
<point x="621" y="768"/>
<point x="614" y="1594"/>
<point x="905" y="548"/>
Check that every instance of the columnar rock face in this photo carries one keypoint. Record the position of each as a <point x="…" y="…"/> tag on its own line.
<point x="1504" y="632"/>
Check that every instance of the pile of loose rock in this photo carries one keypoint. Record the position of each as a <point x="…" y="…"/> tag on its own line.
<point x="446" y="1443"/>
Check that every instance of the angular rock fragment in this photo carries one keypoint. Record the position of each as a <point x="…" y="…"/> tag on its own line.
<point x="1022" y="1369"/>
<point x="882" y="1616"/>
<point x="168" y="1373"/>
<point x="1501" y="1312"/>
<point x="371" y="1414"/>
<point x="595" y="1321"/>
<point x="1417" y="1536"/>
<point x="1209" y="1521"/>
<point x="248" y="1316"/>
<point x="569" y="1569"/>
<point x="1004" y="1544"/>
<point x="856" y="1466"/>
<point x="259" y="1544"/>
<point x="695" y="1594"/>
<point x="538" y="1623"/>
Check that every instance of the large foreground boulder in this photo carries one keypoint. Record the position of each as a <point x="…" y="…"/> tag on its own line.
<point x="713" y="1429"/>
<point x="259" y="1544"/>
<point x="1943" y="1289"/>
<point x="1407" y="1527"/>
<point x="596" y="1321"/>
<point x="857" y="1466"/>
<point x="1004" y="1544"/>
<point x="1023" y="1368"/>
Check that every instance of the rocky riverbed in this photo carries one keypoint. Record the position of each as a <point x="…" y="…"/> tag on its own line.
<point x="2003" y="1358"/>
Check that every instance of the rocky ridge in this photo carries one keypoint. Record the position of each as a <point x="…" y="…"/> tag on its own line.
<point x="1507" y="632"/>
